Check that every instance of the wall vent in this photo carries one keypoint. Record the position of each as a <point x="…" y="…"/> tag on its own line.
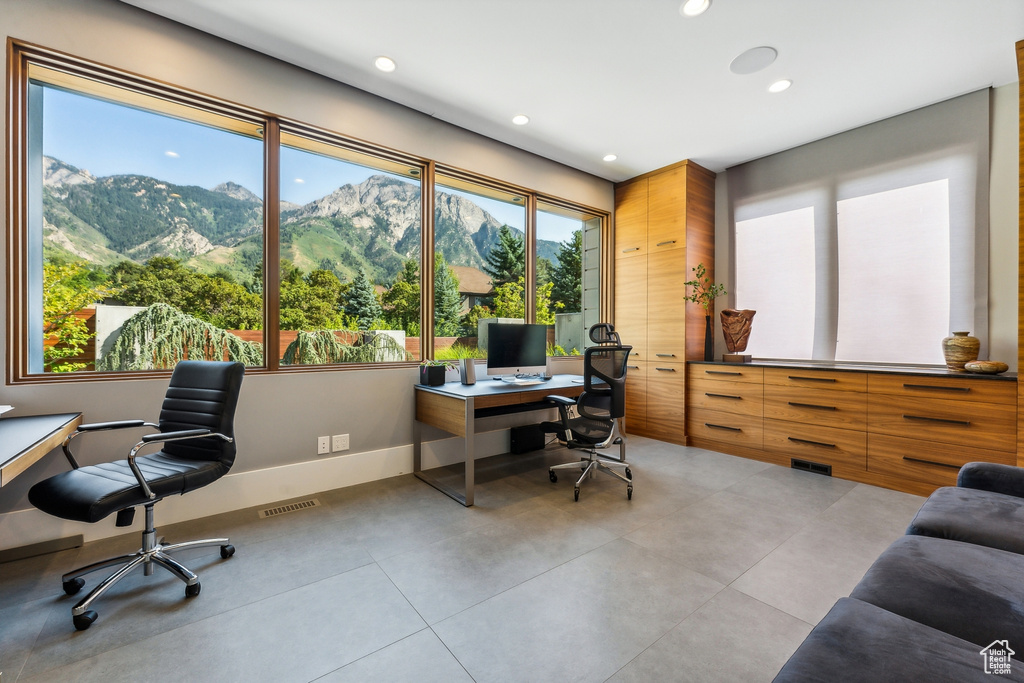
<point x="290" y="507"/>
<point x="808" y="466"/>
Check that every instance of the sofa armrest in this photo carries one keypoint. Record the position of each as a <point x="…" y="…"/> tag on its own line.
<point x="990" y="476"/>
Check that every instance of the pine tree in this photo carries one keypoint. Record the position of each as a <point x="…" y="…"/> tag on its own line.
<point x="363" y="303"/>
<point x="447" y="300"/>
<point x="507" y="260"/>
<point x="567" y="277"/>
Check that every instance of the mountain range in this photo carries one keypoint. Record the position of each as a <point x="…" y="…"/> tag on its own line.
<point x="372" y="225"/>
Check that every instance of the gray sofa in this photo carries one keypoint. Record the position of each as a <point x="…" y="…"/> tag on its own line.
<point x="943" y="603"/>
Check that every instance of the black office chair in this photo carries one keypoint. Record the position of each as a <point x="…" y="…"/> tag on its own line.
<point x="599" y="408"/>
<point x="196" y="431"/>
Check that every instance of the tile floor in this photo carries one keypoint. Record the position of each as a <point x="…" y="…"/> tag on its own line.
<point x="715" y="571"/>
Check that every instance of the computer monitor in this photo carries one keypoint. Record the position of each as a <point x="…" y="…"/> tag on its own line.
<point x="516" y="349"/>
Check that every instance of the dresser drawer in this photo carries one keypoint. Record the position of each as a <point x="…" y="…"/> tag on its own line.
<point x="976" y="390"/>
<point x="727" y="373"/>
<point x="816" y="379"/>
<point x="729" y="397"/>
<point x="965" y="423"/>
<point x="844" y="449"/>
<point x="740" y="430"/>
<point x="928" y="462"/>
<point x="636" y="396"/>
<point x="846" y="409"/>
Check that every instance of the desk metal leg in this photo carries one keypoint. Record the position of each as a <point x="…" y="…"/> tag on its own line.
<point x="470" y="453"/>
<point x="417" y="460"/>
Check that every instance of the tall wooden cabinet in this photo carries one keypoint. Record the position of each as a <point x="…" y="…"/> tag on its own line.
<point x="664" y="226"/>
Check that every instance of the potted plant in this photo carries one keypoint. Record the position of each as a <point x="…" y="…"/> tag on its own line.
<point x="704" y="292"/>
<point x="432" y="372"/>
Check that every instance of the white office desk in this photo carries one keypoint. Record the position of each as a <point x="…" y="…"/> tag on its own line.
<point x="455" y="407"/>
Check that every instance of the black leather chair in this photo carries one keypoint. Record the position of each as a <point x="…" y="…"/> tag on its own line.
<point x="600" y="407"/>
<point x="197" y="437"/>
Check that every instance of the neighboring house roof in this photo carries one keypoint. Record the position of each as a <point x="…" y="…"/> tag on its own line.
<point x="472" y="280"/>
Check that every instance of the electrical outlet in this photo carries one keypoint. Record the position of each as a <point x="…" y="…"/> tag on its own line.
<point x="323" y="445"/>
<point x="339" y="442"/>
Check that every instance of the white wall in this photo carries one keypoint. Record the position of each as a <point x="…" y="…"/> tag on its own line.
<point x="1003" y="228"/>
<point x="279" y="416"/>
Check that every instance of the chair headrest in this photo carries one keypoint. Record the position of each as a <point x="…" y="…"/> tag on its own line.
<point x="604" y="333"/>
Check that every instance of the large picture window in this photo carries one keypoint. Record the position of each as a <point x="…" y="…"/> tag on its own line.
<point x="150" y="224"/>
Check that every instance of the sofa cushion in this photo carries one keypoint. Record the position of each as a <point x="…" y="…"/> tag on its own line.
<point x="859" y="642"/>
<point x="969" y="591"/>
<point x="972" y="516"/>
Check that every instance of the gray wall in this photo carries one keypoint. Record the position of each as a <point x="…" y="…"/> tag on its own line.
<point x="279" y="416"/>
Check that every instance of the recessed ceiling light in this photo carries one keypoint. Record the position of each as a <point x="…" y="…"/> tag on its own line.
<point x="520" y="119"/>
<point x="779" y="86"/>
<point x="385" y="64"/>
<point x="692" y="8"/>
<point x="610" y="157"/>
<point x="753" y="60"/>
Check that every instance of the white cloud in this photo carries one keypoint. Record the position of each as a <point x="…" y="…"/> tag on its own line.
<point x="173" y="155"/>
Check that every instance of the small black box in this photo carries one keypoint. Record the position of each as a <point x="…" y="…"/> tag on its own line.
<point x="526" y="439"/>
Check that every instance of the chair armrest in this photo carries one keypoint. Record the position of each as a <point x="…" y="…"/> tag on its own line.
<point x="162" y="437"/>
<point x="990" y="476"/>
<point x="120" y="424"/>
<point x="561" y="400"/>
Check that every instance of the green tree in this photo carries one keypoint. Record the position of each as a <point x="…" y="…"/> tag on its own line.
<point x="567" y="278"/>
<point x="402" y="300"/>
<point x="509" y="302"/>
<point x="447" y="300"/>
<point x="66" y="290"/>
<point x="363" y="303"/>
<point x="506" y="262"/>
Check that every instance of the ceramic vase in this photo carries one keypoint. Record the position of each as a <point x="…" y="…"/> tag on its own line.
<point x="960" y="349"/>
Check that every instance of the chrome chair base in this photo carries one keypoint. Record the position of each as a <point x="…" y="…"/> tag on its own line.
<point x="595" y="462"/>
<point x="153" y="553"/>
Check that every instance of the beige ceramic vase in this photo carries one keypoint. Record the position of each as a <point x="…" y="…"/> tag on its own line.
<point x="960" y="349"/>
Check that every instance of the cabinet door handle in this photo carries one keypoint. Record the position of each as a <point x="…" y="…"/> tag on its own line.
<point x="943" y="420"/>
<point x="931" y="387"/>
<point x="722" y="372"/>
<point x="738" y="398"/>
<point x="931" y="462"/>
<point x="813" y="379"/>
<point x="811" y="405"/>
<point x="661" y="244"/>
<point x="728" y="429"/>
<point x="626" y="251"/>
<point x="811" y="443"/>
<point x="632" y="367"/>
<point x="665" y="355"/>
<point x="665" y="369"/>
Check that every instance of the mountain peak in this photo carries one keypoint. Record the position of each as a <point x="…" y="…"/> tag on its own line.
<point x="236" y="191"/>
<point x="56" y="173"/>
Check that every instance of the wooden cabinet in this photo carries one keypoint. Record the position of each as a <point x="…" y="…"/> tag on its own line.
<point x="664" y="224"/>
<point x="905" y="431"/>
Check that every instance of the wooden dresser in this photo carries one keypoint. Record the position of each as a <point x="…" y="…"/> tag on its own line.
<point x="902" y="429"/>
<point x="664" y="226"/>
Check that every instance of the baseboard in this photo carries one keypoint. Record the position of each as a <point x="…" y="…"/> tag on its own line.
<point x="239" y="490"/>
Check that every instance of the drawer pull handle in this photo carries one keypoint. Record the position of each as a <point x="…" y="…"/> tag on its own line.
<point x="943" y="420"/>
<point x="813" y="379"/>
<point x="665" y="369"/>
<point x="738" y="398"/>
<point x="626" y="251"/>
<point x="722" y="372"/>
<point x="661" y="244"/>
<point x="728" y="429"/>
<point x="931" y="462"/>
<point x="632" y="367"/>
<point x="930" y="387"/>
<point x="811" y="405"/>
<point x="811" y="443"/>
<point x="665" y="355"/>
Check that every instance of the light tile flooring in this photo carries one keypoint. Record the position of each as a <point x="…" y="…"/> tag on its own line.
<point x="715" y="571"/>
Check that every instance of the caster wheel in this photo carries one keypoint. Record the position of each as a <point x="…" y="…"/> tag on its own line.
<point x="193" y="590"/>
<point x="576" y="494"/>
<point x="629" y="493"/>
<point x="552" y="476"/>
<point x="73" y="586"/>
<point x="629" y="473"/>
<point x="227" y="551"/>
<point x="84" y="621"/>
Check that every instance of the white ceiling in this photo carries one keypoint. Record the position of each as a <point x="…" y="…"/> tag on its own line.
<point x="634" y="77"/>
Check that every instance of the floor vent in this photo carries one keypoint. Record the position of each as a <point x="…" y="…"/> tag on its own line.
<point x="290" y="507"/>
<point x="808" y="466"/>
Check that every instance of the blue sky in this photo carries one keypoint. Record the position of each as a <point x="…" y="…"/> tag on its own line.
<point x="111" y="139"/>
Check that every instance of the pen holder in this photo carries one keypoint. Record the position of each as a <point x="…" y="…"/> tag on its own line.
<point x="467" y="370"/>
